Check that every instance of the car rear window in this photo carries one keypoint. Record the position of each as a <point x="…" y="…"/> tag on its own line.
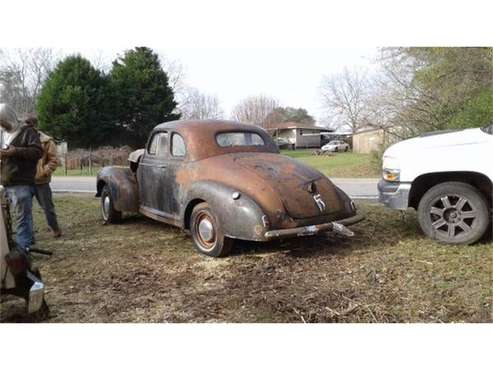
<point x="228" y="139"/>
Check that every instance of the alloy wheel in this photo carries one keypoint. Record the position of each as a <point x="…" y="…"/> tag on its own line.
<point x="452" y="216"/>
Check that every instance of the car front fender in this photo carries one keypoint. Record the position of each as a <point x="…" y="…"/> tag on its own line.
<point x="240" y="218"/>
<point x="123" y="187"/>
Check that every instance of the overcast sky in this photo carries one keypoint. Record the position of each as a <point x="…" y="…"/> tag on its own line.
<point x="292" y="76"/>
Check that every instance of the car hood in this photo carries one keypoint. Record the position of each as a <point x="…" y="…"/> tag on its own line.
<point x="272" y="178"/>
<point x="435" y="141"/>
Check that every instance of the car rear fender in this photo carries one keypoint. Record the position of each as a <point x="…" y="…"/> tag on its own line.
<point x="123" y="187"/>
<point x="240" y="218"/>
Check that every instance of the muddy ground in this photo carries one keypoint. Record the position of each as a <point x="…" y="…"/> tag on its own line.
<point x="143" y="271"/>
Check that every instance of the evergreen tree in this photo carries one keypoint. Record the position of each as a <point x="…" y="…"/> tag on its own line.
<point x="71" y="104"/>
<point x="141" y="95"/>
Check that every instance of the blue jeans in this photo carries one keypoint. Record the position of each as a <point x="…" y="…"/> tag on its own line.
<point x="44" y="197"/>
<point x="21" y="198"/>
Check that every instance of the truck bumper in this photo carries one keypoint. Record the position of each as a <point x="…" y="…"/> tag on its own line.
<point x="394" y="194"/>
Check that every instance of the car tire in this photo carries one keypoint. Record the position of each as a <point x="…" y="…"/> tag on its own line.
<point x="336" y="149"/>
<point x="109" y="213"/>
<point x="207" y="234"/>
<point x="453" y="213"/>
<point x="347" y="149"/>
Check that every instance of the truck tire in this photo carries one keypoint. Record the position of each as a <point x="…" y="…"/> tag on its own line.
<point x="453" y="213"/>
<point x="110" y="215"/>
<point x="208" y="237"/>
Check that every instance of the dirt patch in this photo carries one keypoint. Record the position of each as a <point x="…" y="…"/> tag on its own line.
<point x="143" y="271"/>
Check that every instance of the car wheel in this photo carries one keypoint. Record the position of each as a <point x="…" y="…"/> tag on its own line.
<point x="454" y="213"/>
<point x="110" y="215"/>
<point x="336" y="149"/>
<point x="347" y="149"/>
<point x="208" y="237"/>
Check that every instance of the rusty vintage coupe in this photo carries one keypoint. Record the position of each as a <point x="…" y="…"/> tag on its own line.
<point x="221" y="181"/>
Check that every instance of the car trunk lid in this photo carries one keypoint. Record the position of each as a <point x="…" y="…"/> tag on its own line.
<point x="304" y="191"/>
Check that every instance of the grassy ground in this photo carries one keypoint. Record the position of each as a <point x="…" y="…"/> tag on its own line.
<point x="143" y="271"/>
<point x="338" y="165"/>
<point x="60" y="171"/>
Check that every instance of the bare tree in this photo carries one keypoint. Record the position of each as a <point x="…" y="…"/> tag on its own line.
<point x="22" y="74"/>
<point x="197" y="105"/>
<point x="254" y="109"/>
<point x="176" y="76"/>
<point x="344" y="96"/>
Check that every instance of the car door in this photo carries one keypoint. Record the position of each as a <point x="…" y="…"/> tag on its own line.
<point x="152" y="174"/>
<point x="176" y="160"/>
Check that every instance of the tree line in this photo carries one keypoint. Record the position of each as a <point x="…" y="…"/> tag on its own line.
<point x="413" y="90"/>
<point x="410" y="91"/>
<point x="89" y="104"/>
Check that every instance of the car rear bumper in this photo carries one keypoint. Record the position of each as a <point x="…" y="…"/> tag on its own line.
<point x="335" y="226"/>
<point x="394" y="194"/>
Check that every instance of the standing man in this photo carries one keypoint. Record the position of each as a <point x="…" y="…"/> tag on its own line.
<point x="46" y="165"/>
<point x="18" y="158"/>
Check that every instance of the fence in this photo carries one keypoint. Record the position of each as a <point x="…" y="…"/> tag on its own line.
<point x="88" y="162"/>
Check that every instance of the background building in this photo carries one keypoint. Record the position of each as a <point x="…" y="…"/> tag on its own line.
<point x="298" y="135"/>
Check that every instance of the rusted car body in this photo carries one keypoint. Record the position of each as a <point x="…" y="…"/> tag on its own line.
<point x="223" y="180"/>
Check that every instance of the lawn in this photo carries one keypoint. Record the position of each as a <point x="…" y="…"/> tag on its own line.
<point x="85" y="171"/>
<point x="143" y="271"/>
<point x="338" y="165"/>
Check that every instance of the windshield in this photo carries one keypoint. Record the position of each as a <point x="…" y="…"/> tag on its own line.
<point x="229" y="139"/>
<point x="488" y="129"/>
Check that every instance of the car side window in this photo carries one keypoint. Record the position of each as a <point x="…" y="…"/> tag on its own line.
<point x="158" y="144"/>
<point x="178" y="148"/>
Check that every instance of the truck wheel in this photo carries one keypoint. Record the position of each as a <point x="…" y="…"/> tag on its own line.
<point x="454" y="213"/>
<point x="208" y="237"/>
<point x="110" y="215"/>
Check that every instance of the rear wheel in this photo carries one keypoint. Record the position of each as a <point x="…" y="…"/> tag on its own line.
<point x="208" y="237"/>
<point x="454" y="213"/>
<point x="110" y="215"/>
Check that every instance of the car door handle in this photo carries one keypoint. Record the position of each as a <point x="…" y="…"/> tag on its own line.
<point x="162" y="166"/>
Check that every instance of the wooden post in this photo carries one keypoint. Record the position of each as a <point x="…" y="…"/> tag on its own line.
<point x="65" y="164"/>
<point x="90" y="161"/>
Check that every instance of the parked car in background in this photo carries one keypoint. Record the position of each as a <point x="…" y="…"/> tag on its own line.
<point x="283" y="143"/>
<point x="447" y="177"/>
<point x="222" y="181"/>
<point x="335" y="146"/>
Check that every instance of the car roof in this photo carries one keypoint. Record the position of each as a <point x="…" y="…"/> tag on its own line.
<point x="200" y="136"/>
<point x="199" y="126"/>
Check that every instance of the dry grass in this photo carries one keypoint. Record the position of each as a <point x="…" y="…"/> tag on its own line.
<point x="142" y="271"/>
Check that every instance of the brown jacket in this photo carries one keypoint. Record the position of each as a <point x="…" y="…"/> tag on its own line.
<point x="48" y="162"/>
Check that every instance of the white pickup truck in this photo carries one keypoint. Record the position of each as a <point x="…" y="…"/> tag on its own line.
<point x="447" y="177"/>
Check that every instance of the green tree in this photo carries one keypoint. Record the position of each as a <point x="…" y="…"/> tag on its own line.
<point x="290" y="114"/>
<point x="440" y="88"/>
<point x="71" y="104"/>
<point x="141" y="95"/>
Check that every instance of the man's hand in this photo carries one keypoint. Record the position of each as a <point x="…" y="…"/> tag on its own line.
<point x="9" y="152"/>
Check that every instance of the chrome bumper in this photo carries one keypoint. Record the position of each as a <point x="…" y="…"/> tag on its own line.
<point x="394" y="194"/>
<point x="335" y="226"/>
<point x="36" y="294"/>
